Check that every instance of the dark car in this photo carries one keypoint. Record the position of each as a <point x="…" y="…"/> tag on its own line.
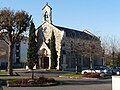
<point x="115" y="70"/>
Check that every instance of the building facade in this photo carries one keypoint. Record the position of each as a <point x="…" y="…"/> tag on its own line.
<point x="80" y="49"/>
<point x="19" y="53"/>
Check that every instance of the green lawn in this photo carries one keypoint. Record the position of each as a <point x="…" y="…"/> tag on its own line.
<point x="3" y="73"/>
<point x="6" y="73"/>
<point x="72" y="75"/>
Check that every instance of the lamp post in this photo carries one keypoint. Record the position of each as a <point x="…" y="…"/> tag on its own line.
<point x="76" y="67"/>
<point x="76" y="63"/>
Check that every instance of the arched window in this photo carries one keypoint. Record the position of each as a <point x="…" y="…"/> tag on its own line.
<point x="46" y="16"/>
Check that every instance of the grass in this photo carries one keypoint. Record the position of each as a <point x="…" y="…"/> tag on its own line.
<point x="6" y="73"/>
<point x="10" y="80"/>
<point x="3" y="73"/>
<point x="80" y="76"/>
<point x="72" y="75"/>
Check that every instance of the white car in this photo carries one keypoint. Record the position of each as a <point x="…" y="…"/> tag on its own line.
<point x="98" y="70"/>
<point x="88" y="71"/>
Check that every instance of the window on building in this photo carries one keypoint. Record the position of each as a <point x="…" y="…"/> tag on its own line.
<point x="72" y="45"/>
<point x="63" y="51"/>
<point x="63" y="44"/>
<point x="46" y="16"/>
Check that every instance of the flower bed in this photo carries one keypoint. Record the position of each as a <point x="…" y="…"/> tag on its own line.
<point x="28" y="82"/>
<point x="92" y="75"/>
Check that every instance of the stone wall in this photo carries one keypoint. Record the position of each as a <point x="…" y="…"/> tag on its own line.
<point x="72" y="51"/>
<point x="47" y="32"/>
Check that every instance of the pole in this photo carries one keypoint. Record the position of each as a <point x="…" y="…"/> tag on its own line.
<point x="76" y="67"/>
<point x="91" y="66"/>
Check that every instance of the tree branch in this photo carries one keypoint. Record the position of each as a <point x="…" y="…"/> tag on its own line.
<point x="1" y="37"/>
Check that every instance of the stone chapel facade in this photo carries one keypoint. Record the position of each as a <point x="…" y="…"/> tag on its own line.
<point x="74" y="48"/>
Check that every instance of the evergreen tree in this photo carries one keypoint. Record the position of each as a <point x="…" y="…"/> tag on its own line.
<point x="53" y="52"/>
<point x="32" y="49"/>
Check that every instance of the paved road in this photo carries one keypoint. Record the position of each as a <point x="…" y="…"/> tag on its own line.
<point x="71" y="84"/>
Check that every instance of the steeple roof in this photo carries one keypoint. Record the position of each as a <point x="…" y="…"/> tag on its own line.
<point x="46" y="5"/>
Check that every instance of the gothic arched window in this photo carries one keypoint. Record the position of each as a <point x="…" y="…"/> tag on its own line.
<point x="46" y="16"/>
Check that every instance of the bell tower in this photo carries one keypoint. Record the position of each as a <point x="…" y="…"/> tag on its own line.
<point x="47" y="14"/>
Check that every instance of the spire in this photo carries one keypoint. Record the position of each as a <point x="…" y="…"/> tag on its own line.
<point x="47" y="3"/>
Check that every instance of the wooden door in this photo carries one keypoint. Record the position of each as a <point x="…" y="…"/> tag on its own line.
<point x="46" y="62"/>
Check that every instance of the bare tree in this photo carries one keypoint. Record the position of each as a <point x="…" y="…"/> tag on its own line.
<point x="89" y="48"/>
<point x="111" y="48"/>
<point x="106" y="50"/>
<point x="92" y="48"/>
<point x="12" y="26"/>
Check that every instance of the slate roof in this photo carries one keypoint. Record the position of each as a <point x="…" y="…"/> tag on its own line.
<point x="75" y="33"/>
<point x="46" y="5"/>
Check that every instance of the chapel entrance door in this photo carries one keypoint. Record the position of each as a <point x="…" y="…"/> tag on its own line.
<point x="46" y="62"/>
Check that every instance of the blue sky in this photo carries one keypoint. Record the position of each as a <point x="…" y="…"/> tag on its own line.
<point x="101" y="17"/>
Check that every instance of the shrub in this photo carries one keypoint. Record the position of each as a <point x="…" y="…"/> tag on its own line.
<point x="28" y="81"/>
<point x="51" y="80"/>
<point x="92" y="75"/>
<point x="41" y="80"/>
<point x="21" y="81"/>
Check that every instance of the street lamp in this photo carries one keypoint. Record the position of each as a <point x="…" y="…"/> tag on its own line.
<point x="76" y="62"/>
<point x="76" y="67"/>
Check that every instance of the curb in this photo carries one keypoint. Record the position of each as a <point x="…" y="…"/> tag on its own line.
<point x="33" y="85"/>
<point x="79" y="78"/>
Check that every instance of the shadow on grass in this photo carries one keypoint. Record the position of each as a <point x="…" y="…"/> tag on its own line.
<point x="5" y="74"/>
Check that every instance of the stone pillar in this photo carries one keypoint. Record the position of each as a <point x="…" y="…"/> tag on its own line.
<point x="115" y="82"/>
<point x="58" y="63"/>
<point x="49" y="63"/>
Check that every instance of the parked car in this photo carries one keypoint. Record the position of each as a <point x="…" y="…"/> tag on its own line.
<point x="115" y="70"/>
<point x="104" y="69"/>
<point x="101" y="69"/>
<point x="88" y="71"/>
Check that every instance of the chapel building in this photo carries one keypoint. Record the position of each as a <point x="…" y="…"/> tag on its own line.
<point x="74" y="48"/>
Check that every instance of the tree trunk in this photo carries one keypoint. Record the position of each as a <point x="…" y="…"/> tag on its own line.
<point x="113" y="57"/>
<point x="10" y="59"/>
<point x="32" y="74"/>
<point x="81" y="66"/>
<point x="91" y="62"/>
